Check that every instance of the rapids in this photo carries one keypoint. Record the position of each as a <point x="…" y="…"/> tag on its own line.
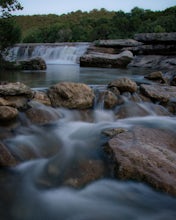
<point x="36" y="190"/>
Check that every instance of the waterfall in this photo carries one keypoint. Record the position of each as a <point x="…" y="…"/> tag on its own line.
<point x="60" y="53"/>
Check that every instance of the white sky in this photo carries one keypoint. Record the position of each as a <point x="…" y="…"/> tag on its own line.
<point x="64" y="6"/>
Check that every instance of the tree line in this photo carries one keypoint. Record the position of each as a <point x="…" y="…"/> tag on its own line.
<point x="94" y="25"/>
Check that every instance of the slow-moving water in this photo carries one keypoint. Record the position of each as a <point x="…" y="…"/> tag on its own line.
<point x="56" y="184"/>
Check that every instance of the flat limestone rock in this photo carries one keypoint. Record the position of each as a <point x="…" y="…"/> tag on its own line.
<point x="107" y="60"/>
<point x="147" y="155"/>
<point x="162" y="93"/>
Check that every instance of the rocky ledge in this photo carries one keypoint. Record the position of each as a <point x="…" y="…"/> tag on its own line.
<point x="148" y="50"/>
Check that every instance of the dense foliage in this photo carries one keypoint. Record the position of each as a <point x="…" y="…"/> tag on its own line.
<point x="94" y="25"/>
<point x="10" y="33"/>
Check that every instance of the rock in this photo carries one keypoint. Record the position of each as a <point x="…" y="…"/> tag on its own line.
<point x="154" y="62"/>
<point x="12" y="89"/>
<point x="8" y="113"/>
<point x="42" y="98"/>
<point x="41" y="115"/>
<point x="124" y="85"/>
<point x="71" y="95"/>
<point x="33" y="64"/>
<point x="156" y="76"/>
<point x="131" y="109"/>
<point x="6" y="158"/>
<point x="107" y="99"/>
<point x="107" y="60"/>
<point x="118" y="43"/>
<point x="147" y="155"/>
<point x="153" y="49"/>
<point x="156" y="37"/>
<point x="83" y="172"/>
<point x="162" y="93"/>
<point x="19" y="102"/>
<point x="96" y="49"/>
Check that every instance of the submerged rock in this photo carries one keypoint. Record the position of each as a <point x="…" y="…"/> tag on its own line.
<point x="147" y="155"/>
<point x="6" y="158"/>
<point x="42" y="115"/>
<point x="83" y="172"/>
<point x="71" y="95"/>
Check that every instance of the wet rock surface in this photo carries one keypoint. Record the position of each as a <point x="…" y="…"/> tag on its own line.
<point x="18" y="88"/>
<point x="33" y="64"/>
<point x="124" y="85"/>
<point x="71" y="95"/>
<point x="162" y="93"/>
<point x="147" y="155"/>
<point x="144" y="154"/>
<point x="8" y="113"/>
<point x="6" y="158"/>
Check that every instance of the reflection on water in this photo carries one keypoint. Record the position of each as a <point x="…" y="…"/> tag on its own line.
<point x="73" y="73"/>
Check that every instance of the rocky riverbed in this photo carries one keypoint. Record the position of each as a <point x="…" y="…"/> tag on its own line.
<point x="135" y="124"/>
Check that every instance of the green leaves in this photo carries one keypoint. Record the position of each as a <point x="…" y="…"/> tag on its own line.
<point x="7" y="6"/>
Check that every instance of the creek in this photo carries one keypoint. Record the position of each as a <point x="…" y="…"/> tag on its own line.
<point x="36" y="189"/>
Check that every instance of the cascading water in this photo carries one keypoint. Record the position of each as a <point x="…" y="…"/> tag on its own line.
<point x="39" y="189"/>
<point x="52" y="180"/>
<point x="52" y="53"/>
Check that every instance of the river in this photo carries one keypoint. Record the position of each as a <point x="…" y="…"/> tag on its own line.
<point x="35" y="190"/>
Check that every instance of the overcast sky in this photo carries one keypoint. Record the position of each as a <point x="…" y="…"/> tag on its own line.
<point x="64" y="6"/>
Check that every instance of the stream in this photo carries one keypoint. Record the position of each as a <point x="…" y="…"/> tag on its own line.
<point x="40" y="189"/>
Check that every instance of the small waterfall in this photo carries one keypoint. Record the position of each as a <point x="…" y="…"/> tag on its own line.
<point x="61" y="53"/>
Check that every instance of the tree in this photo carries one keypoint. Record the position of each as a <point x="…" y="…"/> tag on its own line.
<point x="7" y="6"/>
<point x="9" y="32"/>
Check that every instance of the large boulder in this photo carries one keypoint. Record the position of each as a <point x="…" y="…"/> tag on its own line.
<point x="147" y="155"/>
<point x="107" y="60"/>
<point x="71" y="95"/>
